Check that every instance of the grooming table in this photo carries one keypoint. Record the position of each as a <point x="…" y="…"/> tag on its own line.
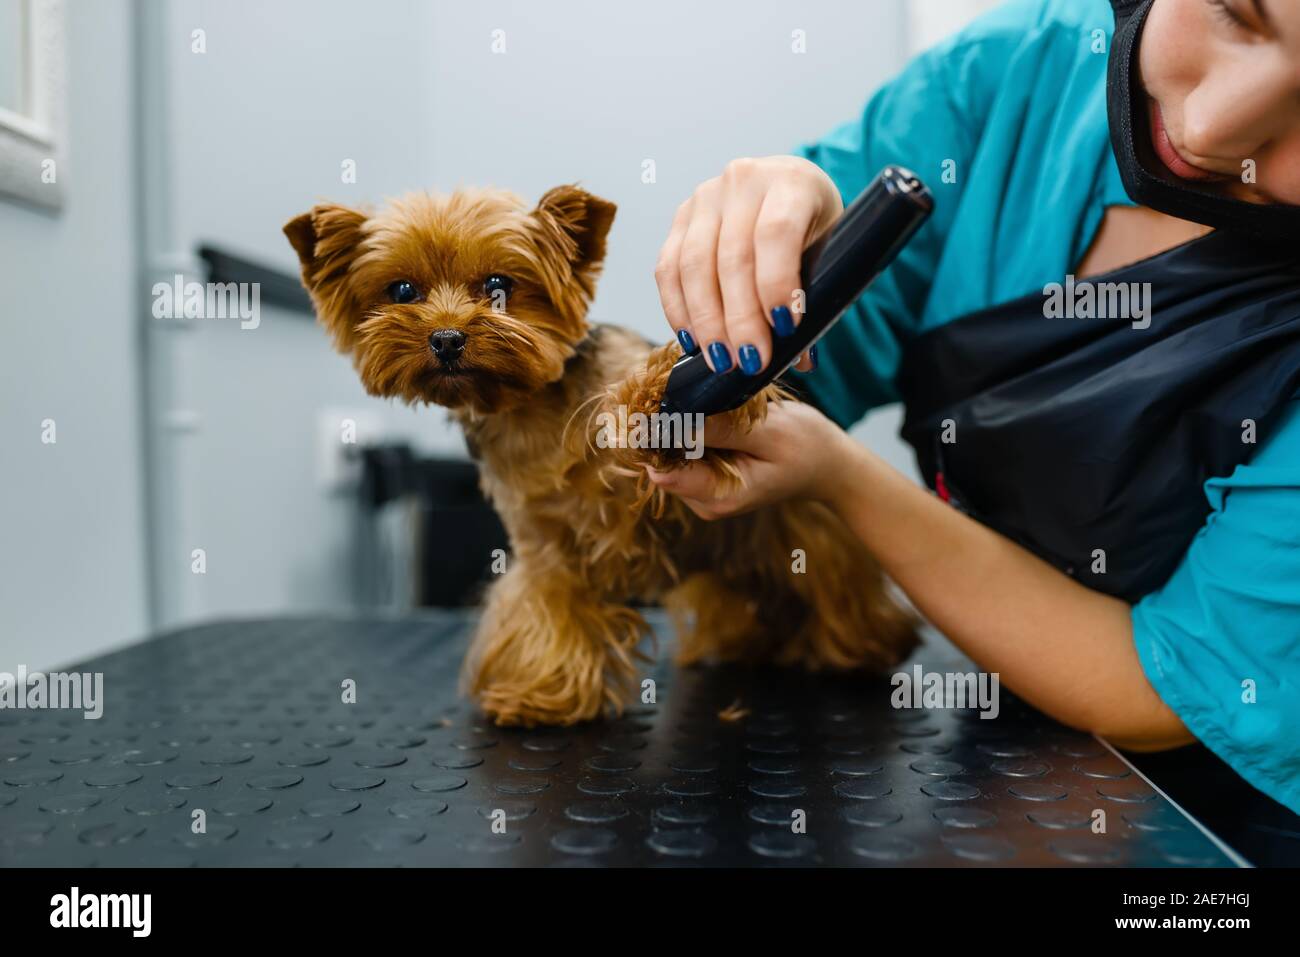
<point x="245" y="721"/>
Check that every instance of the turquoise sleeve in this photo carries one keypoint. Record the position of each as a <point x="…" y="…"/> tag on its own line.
<point x="1220" y="642"/>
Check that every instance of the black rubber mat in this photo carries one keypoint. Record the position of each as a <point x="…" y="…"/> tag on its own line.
<point x="245" y="722"/>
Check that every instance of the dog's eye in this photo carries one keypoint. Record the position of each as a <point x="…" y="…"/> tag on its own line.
<point x="403" y="291"/>
<point x="496" y="284"/>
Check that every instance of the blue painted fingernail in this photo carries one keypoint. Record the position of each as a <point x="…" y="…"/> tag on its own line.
<point x="750" y="361"/>
<point x="783" y="321"/>
<point x="685" y="341"/>
<point x="812" y="358"/>
<point x="720" y="356"/>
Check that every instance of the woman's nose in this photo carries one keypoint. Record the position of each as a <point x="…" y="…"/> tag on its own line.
<point x="1238" y="112"/>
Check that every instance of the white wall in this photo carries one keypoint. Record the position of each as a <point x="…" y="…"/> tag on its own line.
<point x="592" y="93"/>
<point x="245" y="135"/>
<point x="72" y="557"/>
<point x="929" y="21"/>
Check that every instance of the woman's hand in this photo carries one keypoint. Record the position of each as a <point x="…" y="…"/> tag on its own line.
<point x="1062" y="647"/>
<point x="729" y="270"/>
<point x="796" y="452"/>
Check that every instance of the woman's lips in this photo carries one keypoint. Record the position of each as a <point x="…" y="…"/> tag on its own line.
<point x="1169" y="155"/>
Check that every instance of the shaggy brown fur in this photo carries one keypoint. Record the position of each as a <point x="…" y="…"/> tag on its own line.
<point x="558" y="642"/>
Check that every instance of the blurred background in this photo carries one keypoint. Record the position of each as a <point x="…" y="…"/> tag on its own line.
<point x="159" y="471"/>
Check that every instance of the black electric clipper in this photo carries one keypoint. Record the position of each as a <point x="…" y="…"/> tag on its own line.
<point x="835" y="271"/>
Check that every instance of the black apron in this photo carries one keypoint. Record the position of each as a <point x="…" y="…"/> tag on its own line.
<point x="1088" y="441"/>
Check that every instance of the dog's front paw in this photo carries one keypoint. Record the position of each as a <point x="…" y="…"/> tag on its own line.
<point x="547" y="653"/>
<point x="645" y="436"/>
<point x="628" y="418"/>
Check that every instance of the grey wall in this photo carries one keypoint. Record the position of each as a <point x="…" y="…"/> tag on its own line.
<point x="72" y="558"/>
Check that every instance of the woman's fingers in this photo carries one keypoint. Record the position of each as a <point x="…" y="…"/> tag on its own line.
<point x="728" y="273"/>
<point x="698" y="266"/>
<point x="668" y="278"/>
<point x="690" y="481"/>
<point x="748" y="331"/>
<point x="704" y="510"/>
<point x="719" y="433"/>
<point x="795" y="452"/>
<point x="780" y="232"/>
<point x="694" y="485"/>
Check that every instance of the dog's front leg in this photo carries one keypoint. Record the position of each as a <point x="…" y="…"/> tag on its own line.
<point x="550" y="651"/>
<point x="640" y="394"/>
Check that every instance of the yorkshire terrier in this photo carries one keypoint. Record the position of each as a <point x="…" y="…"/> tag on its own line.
<point x="475" y="302"/>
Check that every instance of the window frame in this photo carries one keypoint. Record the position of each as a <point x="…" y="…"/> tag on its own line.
<point x="29" y="139"/>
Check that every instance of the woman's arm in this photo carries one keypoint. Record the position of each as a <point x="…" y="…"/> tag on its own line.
<point x="1062" y="647"/>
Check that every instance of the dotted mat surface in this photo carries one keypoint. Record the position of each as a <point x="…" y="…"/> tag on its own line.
<point x="245" y="722"/>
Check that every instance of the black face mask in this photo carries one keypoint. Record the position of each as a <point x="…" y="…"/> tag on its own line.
<point x="1146" y="180"/>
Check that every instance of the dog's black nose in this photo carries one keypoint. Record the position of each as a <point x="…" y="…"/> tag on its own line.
<point x="447" y="344"/>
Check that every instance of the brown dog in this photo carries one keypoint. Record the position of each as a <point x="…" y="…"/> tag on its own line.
<point x="476" y="302"/>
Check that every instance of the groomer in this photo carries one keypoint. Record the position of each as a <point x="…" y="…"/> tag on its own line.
<point x="1114" y="525"/>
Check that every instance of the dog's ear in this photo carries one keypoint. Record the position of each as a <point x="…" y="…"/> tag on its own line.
<point x="325" y="237"/>
<point x="571" y="226"/>
<point x="327" y="240"/>
<point x="581" y="218"/>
